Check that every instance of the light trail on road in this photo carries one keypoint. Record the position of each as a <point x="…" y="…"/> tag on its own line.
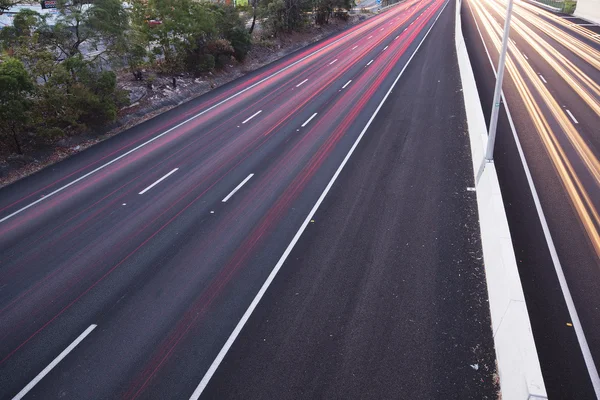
<point x="165" y="233"/>
<point x="536" y="95"/>
<point x="552" y="193"/>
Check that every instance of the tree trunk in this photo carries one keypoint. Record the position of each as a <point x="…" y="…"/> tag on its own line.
<point x="17" y="144"/>
<point x="253" y="21"/>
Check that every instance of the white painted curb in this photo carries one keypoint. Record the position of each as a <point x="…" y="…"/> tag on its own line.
<point x="518" y="364"/>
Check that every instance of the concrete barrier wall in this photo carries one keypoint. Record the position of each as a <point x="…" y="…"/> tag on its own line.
<point x="518" y="363"/>
<point x="589" y="10"/>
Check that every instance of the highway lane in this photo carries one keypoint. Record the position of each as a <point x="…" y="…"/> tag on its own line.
<point x="133" y="237"/>
<point x="384" y="296"/>
<point x="552" y="90"/>
<point x="569" y="24"/>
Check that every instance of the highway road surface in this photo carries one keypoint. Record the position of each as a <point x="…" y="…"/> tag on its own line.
<point x="552" y="90"/>
<point x="128" y="270"/>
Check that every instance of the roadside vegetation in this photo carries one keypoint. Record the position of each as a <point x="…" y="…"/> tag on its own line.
<point x="60" y="78"/>
<point x="566" y="6"/>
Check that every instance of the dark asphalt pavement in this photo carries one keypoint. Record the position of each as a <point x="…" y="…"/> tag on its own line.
<point x="153" y="243"/>
<point x="565" y="373"/>
<point x="384" y="296"/>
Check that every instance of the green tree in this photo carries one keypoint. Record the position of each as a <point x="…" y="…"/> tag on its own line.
<point x="6" y="4"/>
<point x="232" y="28"/>
<point x="16" y="88"/>
<point x="99" y="27"/>
<point x="77" y="97"/>
<point x="325" y="9"/>
<point x="284" y="15"/>
<point x="25" y="41"/>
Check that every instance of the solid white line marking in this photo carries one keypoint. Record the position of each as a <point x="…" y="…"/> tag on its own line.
<point x="369" y="63"/>
<point x="564" y="287"/>
<point x="354" y="47"/>
<point x="252" y="116"/>
<point x="308" y="120"/>
<point x="60" y="189"/>
<point x="236" y="331"/>
<point x="237" y="188"/>
<point x="542" y="78"/>
<point x="333" y="62"/>
<point x="54" y="362"/>
<point x="572" y="117"/>
<point x="347" y="83"/>
<point x="302" y="83"/>
<point x="158" y="181"/>
<point x="385" y="48"/>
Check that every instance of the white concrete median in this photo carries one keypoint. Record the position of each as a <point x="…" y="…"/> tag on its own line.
<point x="518" y="364"/>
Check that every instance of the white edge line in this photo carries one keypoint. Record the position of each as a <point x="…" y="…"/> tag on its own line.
<point x="158" y="181"/>
<point x="236" y="331"/>
<point x="583" y="344"/>
<point x="542" y="78"/>
<point x="308" y="120"/>
<point x="346" y="84"/>
<point x="60" y="189"/>
<point x="54" y="362"/>
<point x="237" y="188"/>
<point x="252" y="116"/>
<point x="302" y="83"/>
<point x="572" y="116"/>
<point x="369" y="63"/>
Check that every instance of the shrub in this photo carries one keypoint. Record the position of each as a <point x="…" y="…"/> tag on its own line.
<point x="206" y="62"/>
<point x="241" y="42"/>
<point x="569" y="7"/>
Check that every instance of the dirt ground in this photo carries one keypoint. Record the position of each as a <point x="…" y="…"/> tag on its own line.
<point x="156" y="94"/>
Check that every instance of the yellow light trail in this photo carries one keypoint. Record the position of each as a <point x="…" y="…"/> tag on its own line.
<point x="576" y="46"/>
<point x="576" y="191"/>
<point x="582" y="84"/>
<point x="559" y="20"/>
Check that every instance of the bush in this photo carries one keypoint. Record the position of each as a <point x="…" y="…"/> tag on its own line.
<point x="241" y="42"/>
<point x="206" y="62"/>
<point x="569" y="7"/>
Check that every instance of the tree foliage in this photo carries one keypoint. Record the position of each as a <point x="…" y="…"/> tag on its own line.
<point x="61" y="91"/>
<point x="60" y="79"/>
<point x="15" y="88"/>
<point x="290" y="15"/>
<point x="190" y="35"/>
